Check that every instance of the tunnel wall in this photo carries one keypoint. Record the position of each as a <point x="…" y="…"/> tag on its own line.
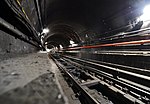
<point x="137" y="61"/>
<point x="10" y="45"/>
<point x="30" y="10"/>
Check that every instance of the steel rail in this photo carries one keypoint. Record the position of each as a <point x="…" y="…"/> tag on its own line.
<point x="82" y="92"/>
<point x="115" y="81"/>
<point x="116" y="72"/>
<point x="127" y="68"/>
<point x="132" y="87"/>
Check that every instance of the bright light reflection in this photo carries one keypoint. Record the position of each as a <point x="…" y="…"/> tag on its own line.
<point x="73" y="45"/>
<point x="45" y="31"/>
<point x="71" y="42"/>
<point x="61" y="46"/>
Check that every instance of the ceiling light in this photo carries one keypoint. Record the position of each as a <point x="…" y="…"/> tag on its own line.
<point x="146" y="13"/>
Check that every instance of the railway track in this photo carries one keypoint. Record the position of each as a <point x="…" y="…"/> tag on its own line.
<point x="96" y="82"/>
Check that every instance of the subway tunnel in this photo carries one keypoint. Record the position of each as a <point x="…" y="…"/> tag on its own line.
<point x="74" y="51"/>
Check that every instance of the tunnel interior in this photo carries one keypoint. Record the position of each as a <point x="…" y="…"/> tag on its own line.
<point x="106" y="41"/>
<point x="79" y="21"/>
<point x="90" y="20"/>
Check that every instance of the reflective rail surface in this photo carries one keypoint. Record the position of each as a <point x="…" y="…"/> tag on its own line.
<point x="105" y="83"/>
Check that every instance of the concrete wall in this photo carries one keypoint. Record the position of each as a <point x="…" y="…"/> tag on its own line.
<point x="8" y="44"/>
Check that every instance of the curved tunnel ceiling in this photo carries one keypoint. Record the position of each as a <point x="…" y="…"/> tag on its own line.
<point x="80" y="21"/>
<point x="62" y="30"/>
<point x="68" y="19"/>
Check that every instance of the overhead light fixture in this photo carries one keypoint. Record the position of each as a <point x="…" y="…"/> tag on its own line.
<point x="45" y="30"/>
<point x="146" y="13"/>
